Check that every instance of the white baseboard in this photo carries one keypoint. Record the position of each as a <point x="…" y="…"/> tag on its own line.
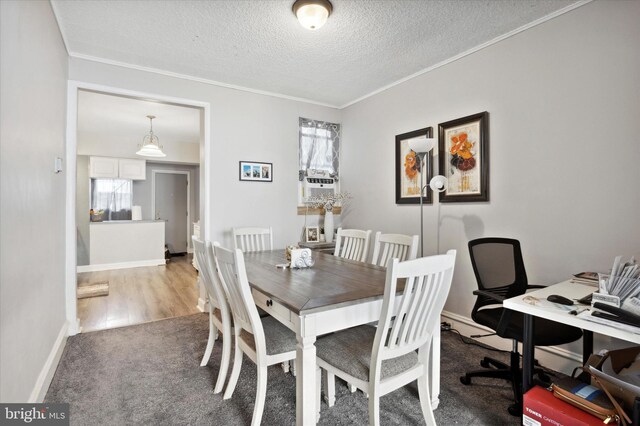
<point x="74" y="328"/>
<point x="50" y="366"/>
<point x="555" y="358"/>
<point x="121" y="265"/>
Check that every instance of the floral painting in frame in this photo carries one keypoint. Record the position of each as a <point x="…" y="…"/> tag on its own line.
<point x="463" y="149"/>
<point x="408" y="168"/>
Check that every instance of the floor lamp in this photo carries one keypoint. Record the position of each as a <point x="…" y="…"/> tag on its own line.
<point x="437" y="184"/>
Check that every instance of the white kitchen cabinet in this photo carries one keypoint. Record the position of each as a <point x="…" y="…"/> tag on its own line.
<point x="123" y="168"/>
<point x="132" y="169"/>
<point x="103" y="167"/>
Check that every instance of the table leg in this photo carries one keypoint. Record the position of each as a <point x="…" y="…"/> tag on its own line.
<point x="527" y="353"/>
<point x="306" y="405"/>
<point x="434" y="368"/>
<point x="587" y="345"/>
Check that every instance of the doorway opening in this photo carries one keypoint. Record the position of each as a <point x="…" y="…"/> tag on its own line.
<point x="120" y="245"/>
<point x="171" y="203"/>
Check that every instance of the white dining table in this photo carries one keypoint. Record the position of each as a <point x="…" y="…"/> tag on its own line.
<point x="333" y="295"/>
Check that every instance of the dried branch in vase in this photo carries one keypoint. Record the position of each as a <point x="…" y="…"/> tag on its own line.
<point x="328" y="201"/>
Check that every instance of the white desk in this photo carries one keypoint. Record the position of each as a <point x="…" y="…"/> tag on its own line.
<point x="553" y="313"/>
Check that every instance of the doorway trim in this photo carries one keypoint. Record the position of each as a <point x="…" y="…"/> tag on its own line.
<point x="154" y="173"/>
<point x="71" y="144"/>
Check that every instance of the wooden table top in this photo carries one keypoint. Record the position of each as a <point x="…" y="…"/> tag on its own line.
<point x="331" y="282"/>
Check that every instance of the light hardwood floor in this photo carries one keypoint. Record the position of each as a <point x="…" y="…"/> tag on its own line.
<point x="138" y="295"/>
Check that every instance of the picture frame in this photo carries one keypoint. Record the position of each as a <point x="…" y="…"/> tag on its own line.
<point x="408" y="179"/>
<point x="463" y="147"/>
<point x="312" y="234"/>
<point x="255" y="171"/>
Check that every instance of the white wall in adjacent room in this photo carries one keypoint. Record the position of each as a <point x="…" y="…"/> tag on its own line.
<point x="142" y="190"/>
<point x="83" y="206"/>
<point x="244" y="127"/>
<point x="176" y="152"/>
<point x="33" y="81"/>
<point x="564" y="103"/>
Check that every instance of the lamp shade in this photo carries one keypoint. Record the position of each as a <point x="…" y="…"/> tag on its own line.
<point x="421" y="145"/>
<point x="438" y="183"/>
<point x="150" y="150"/>
<point x="150" y="143"/>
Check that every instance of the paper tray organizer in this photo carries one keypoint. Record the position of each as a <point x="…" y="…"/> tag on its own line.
<point x="615" y="300"/>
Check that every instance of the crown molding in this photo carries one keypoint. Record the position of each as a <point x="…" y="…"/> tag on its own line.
<point x="472" y="50"/>
<point x="196" y="79"/>
<point x="310" y="101"/>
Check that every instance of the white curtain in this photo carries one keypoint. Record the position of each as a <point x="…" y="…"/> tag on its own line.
<point x="114" y="196"/>
<point x="319" y="146"/>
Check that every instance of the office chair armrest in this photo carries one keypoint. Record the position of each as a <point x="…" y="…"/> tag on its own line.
<point x="489" y="295"/>
<point x="535" y="286"/>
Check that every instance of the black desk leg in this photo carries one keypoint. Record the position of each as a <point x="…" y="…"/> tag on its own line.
<point x="587" y="345"/>
<point x="527" y="353"/>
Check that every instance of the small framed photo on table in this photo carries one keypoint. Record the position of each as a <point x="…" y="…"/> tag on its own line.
<point x="253" y="171"/>
<point x="313" y="234"/>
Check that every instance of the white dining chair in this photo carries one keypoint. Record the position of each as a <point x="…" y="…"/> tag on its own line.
<point x="250" y="239"/>
<point x="352" y="244"/>
<point x="219" y="311"/>
<point x="383" y="359"/>
<point x="390" y="246"/>
<point x="265" y="341"/>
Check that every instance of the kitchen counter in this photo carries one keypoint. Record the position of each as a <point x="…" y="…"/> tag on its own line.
<point x="125" y="244"/>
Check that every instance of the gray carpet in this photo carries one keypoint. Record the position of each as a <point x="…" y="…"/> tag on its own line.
<point x="150" y="374"/>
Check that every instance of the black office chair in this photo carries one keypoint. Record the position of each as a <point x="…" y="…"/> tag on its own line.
<point x="500" y="273"/>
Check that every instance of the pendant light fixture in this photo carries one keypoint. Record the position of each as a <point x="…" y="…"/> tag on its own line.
<point x="150" y="144"/>
<point x="312" y="14"/>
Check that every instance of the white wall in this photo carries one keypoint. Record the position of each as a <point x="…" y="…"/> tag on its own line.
<point x="177" y="152"/>
<point x="245" y="126"/>
<point x="564" y="104"/>
<point x="83" y="205"/>
<point x="33" y="81"/>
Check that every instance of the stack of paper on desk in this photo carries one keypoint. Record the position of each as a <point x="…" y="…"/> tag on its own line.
<point x="630" y="328"/>
<point x="587" y="278"/>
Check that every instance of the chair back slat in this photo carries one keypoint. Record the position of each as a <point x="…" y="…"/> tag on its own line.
<point x="233" y="274"/>
<point x="252" y="239"/>
<point x="216" y="292"/>
<point x="394" y="246"/>
<point x="427" y="283"/>
<point x="352" y="244"/>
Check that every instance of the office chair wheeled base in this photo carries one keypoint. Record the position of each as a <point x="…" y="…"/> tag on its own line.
<point x="510" y="372"/>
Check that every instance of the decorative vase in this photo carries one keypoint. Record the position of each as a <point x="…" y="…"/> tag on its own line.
<point x="328" y="226"/>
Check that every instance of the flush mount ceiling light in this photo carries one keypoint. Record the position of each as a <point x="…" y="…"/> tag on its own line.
<point x="150" y="144"/>
<point x="312" y="14"/>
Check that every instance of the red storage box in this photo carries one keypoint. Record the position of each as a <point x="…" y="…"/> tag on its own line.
<point x="541" y="408"/>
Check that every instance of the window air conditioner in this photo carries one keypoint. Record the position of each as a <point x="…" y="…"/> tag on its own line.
<point x="317" y="182"/>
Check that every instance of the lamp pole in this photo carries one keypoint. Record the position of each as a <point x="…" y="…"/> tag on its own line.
<point x="422" y="189"/>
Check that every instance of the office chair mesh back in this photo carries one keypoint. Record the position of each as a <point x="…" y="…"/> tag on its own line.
<point x="498" y="267"/>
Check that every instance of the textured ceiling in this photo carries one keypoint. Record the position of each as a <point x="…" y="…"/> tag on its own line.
<point x="104" y="119"/>
<point x="259" y="45"/>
